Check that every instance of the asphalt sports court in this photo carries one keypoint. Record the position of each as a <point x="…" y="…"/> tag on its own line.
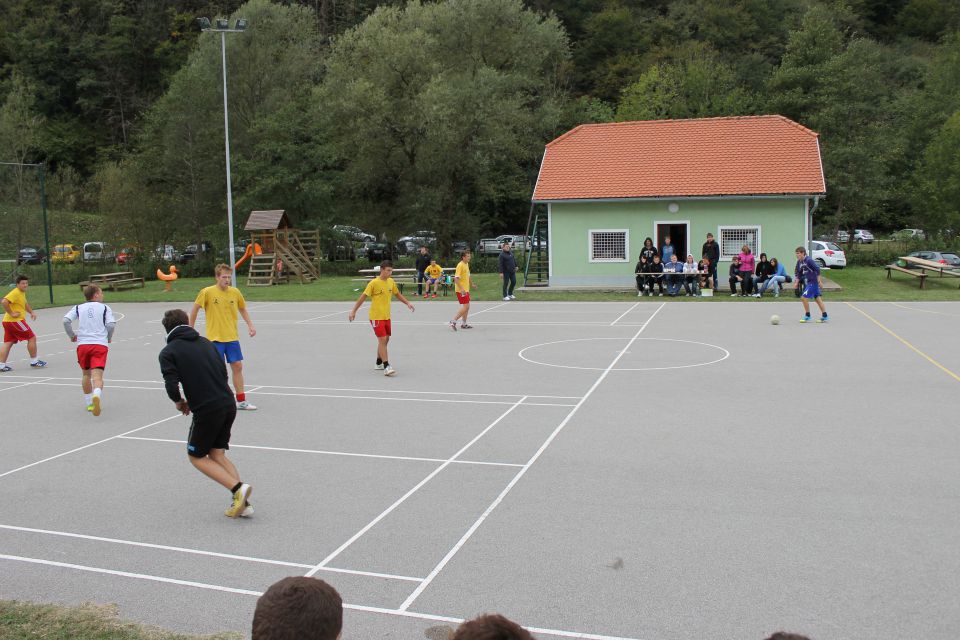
<point x="592" y="470"/>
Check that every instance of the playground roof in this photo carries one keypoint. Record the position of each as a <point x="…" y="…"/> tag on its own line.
<point x="263" y="220"/>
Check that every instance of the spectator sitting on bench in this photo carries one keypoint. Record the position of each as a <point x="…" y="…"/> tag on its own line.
<point x="761" y="274"/>
<point x="640" y="272"/>
<point x="776" y="279"/>
<point x="706" y="273"/>
<point x="691" y="279"/>
<point x="656" y="275"/>
<point x="671" y="272"/>
<point x="434" y="273"/>
<point x="735" y="277"/>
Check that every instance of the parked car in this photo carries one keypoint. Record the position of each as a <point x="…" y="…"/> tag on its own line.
<point x="376" y="251"/>
<point x="66" y="254"/>
<point x="31" y="255"/>
<point x="492" y="246"/>
<point x="166" y="253"/>
<point x="97" y="252"/>
<point x="354" y="233"/>
<point x="128" y="254"/>
<point x="862" y="236"/>
<point x="411" y="243"/>
<point x="908" y="234"/>
<point x="945" y="258"/>
<point x="827" y="254"/>
<point x="193" y="251"/>
<point x="336" y="245"/>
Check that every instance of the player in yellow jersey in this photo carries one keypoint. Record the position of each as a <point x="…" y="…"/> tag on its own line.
<point x="15" y="327"/>
<point x="221" y="303"/>
<point x="380" y="290"/>
<point x="434" y="273"/>
<point x="463" y="285"/>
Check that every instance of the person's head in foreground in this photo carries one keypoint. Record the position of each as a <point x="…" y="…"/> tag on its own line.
<point x="491" y="627"/>
<point x="801" y="252"/>
<point x="783" y="635"/>
<point x="173" y="319"/>
<point x="298" y="608"/>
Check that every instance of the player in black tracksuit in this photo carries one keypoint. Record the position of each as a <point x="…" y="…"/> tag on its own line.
<point x="193" y="362"/>
<point x="423" y="261"/>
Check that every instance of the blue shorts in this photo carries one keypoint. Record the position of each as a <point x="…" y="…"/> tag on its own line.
<point x="433" y="280"/>
<point x="229" y="350"/>
<point x="811" y="290"/>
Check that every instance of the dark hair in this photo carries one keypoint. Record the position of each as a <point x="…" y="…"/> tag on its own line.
<point x="385" y="264"/>
<point x="491" y="627"/>
<point x="802" y="250"/>
<point x="783" y="635"/>
<point x="90" y="290"/>
<point x="650" y="240"/>
<point x="463" y="254"/>
<point x="20" y="278"/>
<point x="298" y="608"/>
<point x="763" y="255"/>
<point x="174" y="318"/>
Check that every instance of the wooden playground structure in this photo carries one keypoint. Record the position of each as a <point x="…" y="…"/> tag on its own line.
<point x="285" y="252"/>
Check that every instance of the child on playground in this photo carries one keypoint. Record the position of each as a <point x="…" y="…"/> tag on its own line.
<point x="95" y="325"/>
<point x="380" y="290"/>
<point x="15" y="327"/>
<point x="221" y="303"/>
<point x="809" y="272"/>
<point x="434" y="273"/>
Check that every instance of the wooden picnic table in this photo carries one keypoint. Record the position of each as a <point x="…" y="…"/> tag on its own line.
<point x="115" y="281"/>
<point x="930" y="265"/>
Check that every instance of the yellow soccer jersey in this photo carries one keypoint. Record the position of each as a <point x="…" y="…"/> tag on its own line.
<point x="380" y="294"/>
<point x="434" y="271"/>
<point x="221" y="309"/>
<point x="18" y="302"/>
<point x="463" y="272"/>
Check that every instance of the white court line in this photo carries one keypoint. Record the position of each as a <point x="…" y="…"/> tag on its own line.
<point x="496" y="306"/>
<point x="250" y="592"/>
<point x="635" y="305"/>
<point x="388" y="399"/>
<point x="87" y="446"/>
<point x="25" y="384"/>
<point x="493" y="505"/>
<point x="333" y="453"/>
<point x="427" y="323"/>
<point x="409" y="493"/>
<point x="323" y="316"/>
<point x="200" y="552"/>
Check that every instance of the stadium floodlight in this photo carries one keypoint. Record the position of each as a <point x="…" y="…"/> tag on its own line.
<point x="223" y="28"/>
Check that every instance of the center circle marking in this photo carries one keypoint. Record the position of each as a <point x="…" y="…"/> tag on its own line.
<point x="723" y="354"/>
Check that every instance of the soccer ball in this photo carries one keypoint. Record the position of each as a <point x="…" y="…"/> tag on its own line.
<point x="774" y="319"/>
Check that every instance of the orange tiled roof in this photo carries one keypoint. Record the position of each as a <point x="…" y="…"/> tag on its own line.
<point x="749" y="155"/>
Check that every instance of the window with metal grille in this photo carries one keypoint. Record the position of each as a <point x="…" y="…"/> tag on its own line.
<point x="732" y="240"/>
<point x="609" y="245"/>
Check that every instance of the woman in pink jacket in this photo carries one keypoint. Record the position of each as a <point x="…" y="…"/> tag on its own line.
<point x="747" y="265"/>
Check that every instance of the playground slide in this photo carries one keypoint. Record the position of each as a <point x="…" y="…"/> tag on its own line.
<point x="251" y="248"/>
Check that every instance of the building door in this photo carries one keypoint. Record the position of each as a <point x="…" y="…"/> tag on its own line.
<point x="679" y="232"/>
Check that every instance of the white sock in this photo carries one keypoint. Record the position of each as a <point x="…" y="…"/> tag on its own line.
<point x="98" y="392"/>
<point x="87" y="399"/>
<point x="35" y="361"/>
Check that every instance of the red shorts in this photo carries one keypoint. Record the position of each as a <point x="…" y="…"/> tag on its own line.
<point x="92" y="356"/>
<point x="381" y="328"/>
<point x="17" y="331"/>
<point x="463" y="298"/>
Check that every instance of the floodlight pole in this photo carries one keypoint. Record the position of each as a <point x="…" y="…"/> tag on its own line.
<point x="205" y="26"/>
<point x="41" y="170"/>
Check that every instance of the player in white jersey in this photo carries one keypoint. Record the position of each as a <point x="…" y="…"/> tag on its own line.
<point x="95" y="325"/>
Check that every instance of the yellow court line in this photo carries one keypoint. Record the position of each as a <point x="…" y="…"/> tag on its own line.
<point x="904" y="341"/>
<point x="952" y="315"/>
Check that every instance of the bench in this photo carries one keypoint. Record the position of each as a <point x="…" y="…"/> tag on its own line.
<point x="931" y="266"/>
<point x="403" y="277"/>
<point x="916" y="274"/>
<point x="114" y="281"/>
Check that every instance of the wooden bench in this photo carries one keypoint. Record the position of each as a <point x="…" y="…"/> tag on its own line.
<point x="931" y="266"/>
<point x="402" y="277"/>
<point x="115" y="281"/>
<point x="916" y="274"/>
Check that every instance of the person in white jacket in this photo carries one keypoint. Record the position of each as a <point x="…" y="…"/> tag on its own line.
<point x="691" y="276"/>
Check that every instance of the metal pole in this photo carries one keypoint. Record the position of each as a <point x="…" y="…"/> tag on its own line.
<point x="46" y="229"/>
<point x="226" y="139"/>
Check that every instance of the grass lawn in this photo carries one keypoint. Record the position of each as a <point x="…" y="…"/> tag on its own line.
<point x="22" y="621"/>
<point x="859" y="283"/>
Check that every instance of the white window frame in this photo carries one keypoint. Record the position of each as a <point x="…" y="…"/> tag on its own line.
<point x="739" y="227"/>
<point x="626" y="245"/>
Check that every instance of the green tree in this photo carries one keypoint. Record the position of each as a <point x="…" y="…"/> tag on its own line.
<point x="938" y="179"/>
<point x="439" y="111"/>
<point x="19" y="139"/>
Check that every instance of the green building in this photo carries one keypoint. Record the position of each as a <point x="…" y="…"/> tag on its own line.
<point x="752" y="181"/>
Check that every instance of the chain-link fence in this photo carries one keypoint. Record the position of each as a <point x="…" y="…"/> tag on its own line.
<point x="24" y="238"/>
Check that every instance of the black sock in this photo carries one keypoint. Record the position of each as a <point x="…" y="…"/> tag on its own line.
<point x="236" y="488"/>
<point x="385" y="364"/>
<point x="379" y="361"/>
<point x="823" y="314"/>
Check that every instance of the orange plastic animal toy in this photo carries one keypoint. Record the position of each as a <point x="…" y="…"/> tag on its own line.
<point x="168" y="278"/>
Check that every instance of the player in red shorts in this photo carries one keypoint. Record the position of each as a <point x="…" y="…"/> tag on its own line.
<point x="95" y="325"/>
<point x="380" y="290"/>
<point x="463" y="285"/>
<point x="15" y="327"/>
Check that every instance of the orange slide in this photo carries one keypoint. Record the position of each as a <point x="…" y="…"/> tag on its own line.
<point x="251" y="249"/>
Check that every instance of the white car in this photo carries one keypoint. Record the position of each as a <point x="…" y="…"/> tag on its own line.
<point x="827" y="254"/>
